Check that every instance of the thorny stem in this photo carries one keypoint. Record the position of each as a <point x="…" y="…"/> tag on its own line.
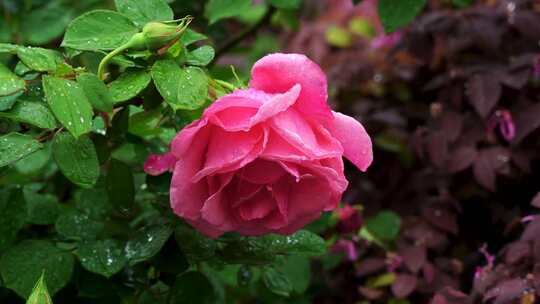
<point x="244" y="34"/>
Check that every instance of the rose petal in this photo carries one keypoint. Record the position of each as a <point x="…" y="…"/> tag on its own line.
<point x="262" y="172"/>
<point x="354" y="139"/>
<point x="312" y="142"/>
<point x="229" y="151"/>
<point x="157" y="164"/>
<point x="243" y="109"/>
<point x="187" y="198"/>
<point x="183" y="140"/>
<point x="278" y="73"/>
<point x="257" y="207"/>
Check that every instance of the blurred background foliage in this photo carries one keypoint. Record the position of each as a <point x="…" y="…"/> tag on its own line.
<point x="451" y="102"/>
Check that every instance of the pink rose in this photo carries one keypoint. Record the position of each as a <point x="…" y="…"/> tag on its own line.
<point x="267" y="159"/>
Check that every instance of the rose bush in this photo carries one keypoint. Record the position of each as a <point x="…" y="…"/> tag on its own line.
<point x="267" y="159"/>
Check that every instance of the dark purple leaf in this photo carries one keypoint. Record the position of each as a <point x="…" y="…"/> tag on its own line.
<point x="428" y="270"/>
<point x="484" y="172"/>
<point x="438" y="299"/>
<point x="526" y="120"/>
<point x="404" y="285"/>
<point x="517" y="252"/>
<point x="425" y="234"/>
<point x="484" y="33"/>
<point x="528" y="24"/>
<point x="522" y="159"/>
<point x="488" y="163"/>
<point x="370" y="266"/>
<point x="484" y="91"/>
<point x="452" y="296"/>
<point x="441" y="218"/>
<point x="516" y="79"/>
<point x="451" y="125"/>
<point x="536" y="200"/>
<point x="371" y="293"/>
<point x="414" y="257"/>
<point x="437" y="147"/>
<point x="532" y="231"/>
<point x="536" y="250"/>
<point x="461" y="159"/>
<point x="506" y="291"/>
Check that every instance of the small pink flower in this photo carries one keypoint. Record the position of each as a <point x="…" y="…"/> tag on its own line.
<point x="490" y="259"/>
<point x="386" y="40"/>
<point x="348" y="247"/>
<point x="267" y="159"/>
<point x="350" y="219"/>
<point x="157" y="164"/>
<point x="393" y="262"/>
<point x="502" y="119"/>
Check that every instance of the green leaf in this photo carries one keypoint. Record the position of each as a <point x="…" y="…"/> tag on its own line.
<point x="31" y="112"/>
<point x="145" y="123"/>
<point x="105" y="257"/>
<point x="7" y="102"/>
<point x="75" y="224"/>
<point x="286" y="4"/>
<point x="216" y="10"/>
<point x="384" y="226"/>
<point x="9" y="82"/>
<point x="298" y="270"/>
<point x="97" y="92"/>
<point x="14" y="146"/>
<point x="33" y="163"/>
<point x="261" y="250"/>
<point x="192" y="288"/>
<point x="462" y="3"/>
<point x="201" y="56"/>
<point x="120" y="187"/>
<point x="94" y="202"/>
<point x="76" y="158"/>
<point x="382" y="280"/>
<point x="39" y="59"/>
<point x="182" y="89"/>
<point x="46" y="23"/>
<point x="191" y="36"/>
<point x="142" y="12"/>
<point x="21" y="266"/>
<point x="196" y="246"/>
<point x="13" y="210"/>
<point x="69" y="104"/>
<point x="99" y="30"/>
<point x="40" y="294"/>
<point x="277" y="282"/>
<point x="42" y="209"/>
<point x="129" y="85"/>
<point x="395" y="14"/>
<point x="146" y="243"/>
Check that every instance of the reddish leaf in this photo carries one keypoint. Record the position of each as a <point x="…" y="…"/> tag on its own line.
<point x="441" y="218"/>
<point x="528" y="24"/>
<point x="428" y="270"/>
<point x="526" y="120"/>
<point x="532" y="231"/>
<point x="461" y="159"/>
<point x="414" y="257"/>
<point x="484" y="91"/>
<point x="484" y="173"/>
<point x="451" y="125"/>
<point x="404" y="285"/>
<point x="437" y="148"/>
<point x="536" y="200"/>
<point x="516" y="252"/>
<point x="506" y="291"/>
<point x="488" y="163"/>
